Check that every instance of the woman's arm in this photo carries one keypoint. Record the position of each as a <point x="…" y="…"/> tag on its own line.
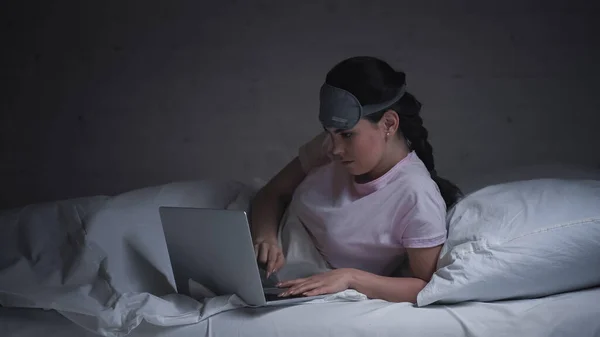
<point x="268" y="205"/>
<point x="392" y="289"/>
<point x="399" y="289"/>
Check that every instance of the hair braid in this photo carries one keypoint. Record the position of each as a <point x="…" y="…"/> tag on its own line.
<point x="413" y="130"/>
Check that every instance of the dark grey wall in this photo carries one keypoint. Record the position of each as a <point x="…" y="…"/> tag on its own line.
<point x="102" y="97"/>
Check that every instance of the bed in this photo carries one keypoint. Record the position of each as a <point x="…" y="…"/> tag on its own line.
<point x="99" y="265"/>
<point x="569" y="314"/>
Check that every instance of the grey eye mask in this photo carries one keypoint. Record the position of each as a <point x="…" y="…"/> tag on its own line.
<point x="339" y="109"/>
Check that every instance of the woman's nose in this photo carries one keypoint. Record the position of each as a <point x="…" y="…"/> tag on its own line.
<point x="337" y="149"/>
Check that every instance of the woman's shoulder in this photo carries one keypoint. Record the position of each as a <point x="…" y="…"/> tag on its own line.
<point x="416" y="182"/>
<point x="413" y="175"/>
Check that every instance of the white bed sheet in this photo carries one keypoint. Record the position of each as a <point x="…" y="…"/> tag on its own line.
<point x="570" y="314"/>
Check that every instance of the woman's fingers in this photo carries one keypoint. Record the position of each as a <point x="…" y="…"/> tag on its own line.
<point x="273" y="253"/>
<point x="302" y="288"/>
<point x="319" y="291"/>
<point x="263" y="254"/>
<point x="276" y="263"/>
<point x="290" y="283"/>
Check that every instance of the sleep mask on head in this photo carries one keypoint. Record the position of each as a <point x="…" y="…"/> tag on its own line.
<point x="339" y="109"/>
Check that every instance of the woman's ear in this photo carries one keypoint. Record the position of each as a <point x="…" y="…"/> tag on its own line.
<point x="390" y="121"/>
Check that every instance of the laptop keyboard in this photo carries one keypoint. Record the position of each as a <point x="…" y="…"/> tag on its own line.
<point x="274" y="297"/>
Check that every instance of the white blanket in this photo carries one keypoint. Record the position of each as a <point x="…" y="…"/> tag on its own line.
<point x="102" y="262"/>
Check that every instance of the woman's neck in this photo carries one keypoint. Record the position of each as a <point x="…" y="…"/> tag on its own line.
<point x="395" y="152"/>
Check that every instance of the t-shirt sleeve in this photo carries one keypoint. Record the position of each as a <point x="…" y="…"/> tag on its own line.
<point x="424" y="224"/>
<point x="315" y="153"/>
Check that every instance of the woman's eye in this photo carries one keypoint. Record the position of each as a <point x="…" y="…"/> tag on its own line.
<point x="346" y="134"/>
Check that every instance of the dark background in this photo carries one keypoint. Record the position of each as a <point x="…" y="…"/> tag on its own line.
<point x="101" y="97"/>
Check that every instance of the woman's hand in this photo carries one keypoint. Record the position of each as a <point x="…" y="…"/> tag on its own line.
<point x="270" y="254"/>
<point x="326" y="283"/>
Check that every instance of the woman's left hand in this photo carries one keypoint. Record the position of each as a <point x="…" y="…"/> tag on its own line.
<point x="326" y="283"/>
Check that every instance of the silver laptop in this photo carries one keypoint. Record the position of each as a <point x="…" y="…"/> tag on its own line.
<point x="214" y="248"/>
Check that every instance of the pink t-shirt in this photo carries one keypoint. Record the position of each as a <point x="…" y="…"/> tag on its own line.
<point x="367" y="226"/>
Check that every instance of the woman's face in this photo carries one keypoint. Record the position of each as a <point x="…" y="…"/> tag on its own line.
<point x="359" y="149"/>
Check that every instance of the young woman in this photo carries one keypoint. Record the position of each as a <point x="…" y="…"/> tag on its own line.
<point x="365" y="189"/>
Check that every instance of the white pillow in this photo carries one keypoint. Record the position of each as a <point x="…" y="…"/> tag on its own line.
<point x="519" y="240"/>
<point x="473" y="183"/>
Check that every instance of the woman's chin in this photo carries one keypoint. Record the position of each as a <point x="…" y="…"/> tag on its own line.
<point x="352" y="169"/>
